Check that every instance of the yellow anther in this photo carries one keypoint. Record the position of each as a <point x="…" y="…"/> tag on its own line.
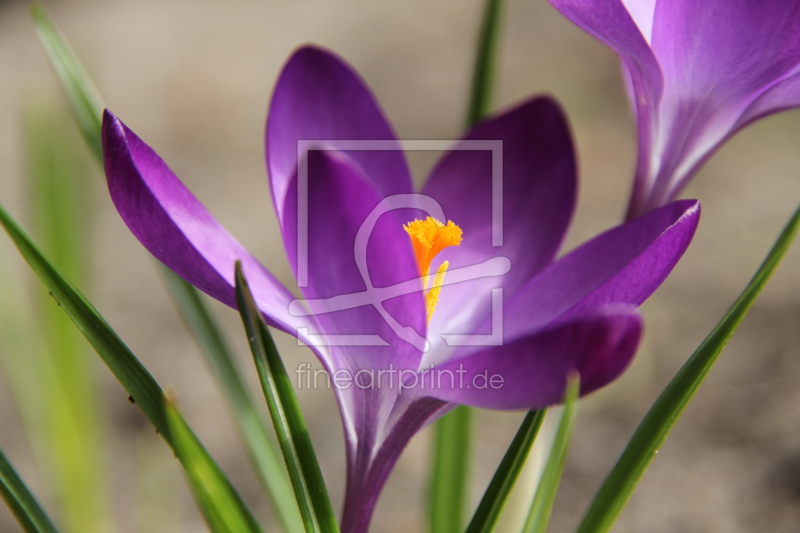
<point x="428" y="238"/>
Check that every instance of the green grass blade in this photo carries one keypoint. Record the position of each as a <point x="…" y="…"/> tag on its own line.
<point x="260" y="446"/>
<point x="542" y="506"/>
<point x="84" y="99"/>
<point x="494" y="499"/>
<point x="449" y="483"/>
<point x="70" y="419"/>
<point x="136" y="380"/>
<point x="668" y="408"/>
<point x="220" y="504"/>
<point x="22" y="503"/>
<point x="87" y="107"/>
<point x="298" y="451"/>
<point x="483" y="73"/>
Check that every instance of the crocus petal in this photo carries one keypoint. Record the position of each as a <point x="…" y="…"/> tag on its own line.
<point x="532" y="372"/>
<point x="320" y="99"/>
<point x="339" y="201"/>
<point x="717" y="57"/>
<point x="537" y="198"/>
<point x="622" y="266"/>
<point x="179" y="231"/>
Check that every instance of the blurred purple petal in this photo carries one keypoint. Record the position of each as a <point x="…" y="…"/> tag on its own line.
<point x="722" y="64"/>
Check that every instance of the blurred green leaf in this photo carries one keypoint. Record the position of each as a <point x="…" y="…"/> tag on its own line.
<point x="84" y="99"/>
<point x="494" y="499"/>
<point x="220" y="504"/>
<point x="120" y="360"/>
<point x="542" y="506"/>
<point x="298" y="451"/>
<point x="22" y="503"/>
<point x="483" y="73"/>
<point x="87" y="107"/>
<point x="662" y="417"/>
<point x="449" y="483"/>
<point x="70" y="419"/>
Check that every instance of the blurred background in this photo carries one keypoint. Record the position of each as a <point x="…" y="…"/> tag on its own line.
<point x="193" y="79"/>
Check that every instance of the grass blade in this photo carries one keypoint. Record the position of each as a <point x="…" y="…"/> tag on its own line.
<point x="494" y="499"/>
<point x="22" y="503"/>
<point x="259" y="444"/>
<point x="659" y="421"/>
<point x="117" y="356"/>
<point x="542" y="506"/>
<point x="483" y="73"/>
<point x="84" y="99"/>
<point x="220" y="504"/>
<point x="87" y="107"/>
<point x="449" y="484"/>
<point x="298" y="451"/>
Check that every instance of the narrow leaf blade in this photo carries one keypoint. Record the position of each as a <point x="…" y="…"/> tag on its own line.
<point x="483" y="73"/>
<point x="542" y="506"/>
<point x="136" y="380"/>
<point x="260" y="446"/>
<point x="298" y="451"/>
<point x="21" y="501"/>
<point x="494" y="499"/>
<point x="662" y="417"/>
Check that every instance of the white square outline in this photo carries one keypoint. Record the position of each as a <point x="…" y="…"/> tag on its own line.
<point x="495" y="338"/>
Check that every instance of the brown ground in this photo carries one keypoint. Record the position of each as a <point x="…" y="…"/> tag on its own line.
<point x="194" y="78"/>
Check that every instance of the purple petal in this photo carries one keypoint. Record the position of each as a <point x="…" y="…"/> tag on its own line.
<point x="179" y="231"/>
<point x="531" y="372"/>
<point x="339" y="201"/>
<point x="622" y="266"/>
<point x="538" y="179"/>
<point x="319" y="98"/>
<point x="628" y="35"/>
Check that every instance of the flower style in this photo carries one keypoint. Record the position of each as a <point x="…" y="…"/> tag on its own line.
<point x="553" y="317"/>
<point x="697" y="71"/>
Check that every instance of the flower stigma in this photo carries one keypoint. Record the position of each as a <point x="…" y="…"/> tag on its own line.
<point x="428" y="238"/>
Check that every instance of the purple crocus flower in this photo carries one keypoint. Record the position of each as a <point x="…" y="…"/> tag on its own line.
<point x="511" y="323"/>
<point x="697" y="72"/>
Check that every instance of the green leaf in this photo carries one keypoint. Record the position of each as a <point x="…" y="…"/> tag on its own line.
<point x="483" y="74"/>
<point x="117" y="356"/>
<point x="85" y="101"/>
<point x="217" y="499"/>
<point x="662" y="417"/>
<point x="298" y="451"/>
<point x="449" y="483"/>
<point x="260" y="446"/>
<point x="494" y="499"/>
<point x="22" y="503"/>
<point x="542" y="506"/>
<point x="87" y="107"/>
